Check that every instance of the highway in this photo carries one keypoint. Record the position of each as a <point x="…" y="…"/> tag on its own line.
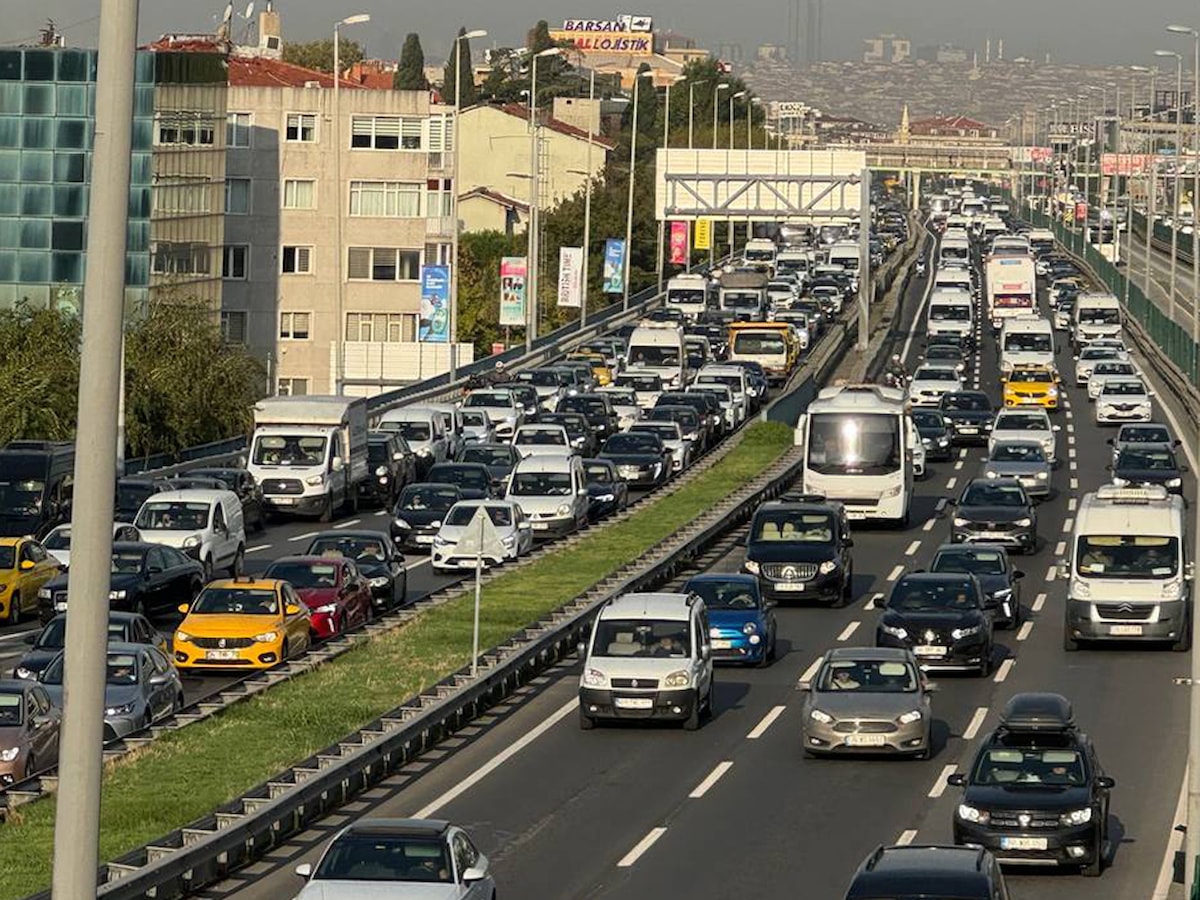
<point x="734" y="809"/>
<point x="1160" y="280"/>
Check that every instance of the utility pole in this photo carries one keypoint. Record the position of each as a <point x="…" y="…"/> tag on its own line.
<point x="77" y="819"/>
<point x="587" y="203"/>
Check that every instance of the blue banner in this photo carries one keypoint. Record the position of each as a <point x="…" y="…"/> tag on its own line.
<point x="614" y="266"/>
<point x="434" y="327"/>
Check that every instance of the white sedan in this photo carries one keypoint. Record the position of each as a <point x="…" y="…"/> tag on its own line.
<point x="512" y="527"/>
<point x="1025" y="424"/>
<point x="58" y="541"/>
<point x="1106" y="369"/>
<point x="1124" y="400"/>
<point x="930" y="382"/>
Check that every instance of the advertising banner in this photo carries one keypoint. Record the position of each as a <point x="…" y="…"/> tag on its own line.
<point x="679" y="243"/>
<point x="434" y="326"/>
<point x="570" y="276"/>
<point x="1035" y="155"/>
<point x="607" y="41"/>
<point x="512" y="290"/>
<point x="620" y="23"/>
<point x="614" y="266"/>
<point x="1125" y="163"/>
<point x="703" y="234"/>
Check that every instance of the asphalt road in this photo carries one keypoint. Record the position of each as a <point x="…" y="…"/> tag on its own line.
<point x="1160" y="280"/>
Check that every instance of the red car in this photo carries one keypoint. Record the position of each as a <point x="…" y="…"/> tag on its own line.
<point x="337" y="596"/>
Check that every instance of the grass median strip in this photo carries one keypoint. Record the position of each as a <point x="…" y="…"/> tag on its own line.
<point x="187" y="774"/>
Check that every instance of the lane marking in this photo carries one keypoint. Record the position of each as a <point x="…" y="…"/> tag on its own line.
<point x="1060" y="548"/>
<point x="1070" y="437"/>
<point x="1026" y="627"/>
<point x="951" y="483"/>
<point x="928" y="526"/>
<point x="1051" y="573"/>
<point x="347" y="523"/>
<point x="958" y="466"/>
<point x="1070" y="453"/>
<point x="809" y="673"/>
<point x="912" y="548"/>
<point x="383" y="512"/>
<point x="1074" y="484"/>
<point x="258" y="548"/>
<point x="941" y="504"/>
<point x="939" y="786"/>
<point x="713" y="777"/>
<point x="848" y="630"/>
<point x="1072" y="504"/>
<point x="1005" y="668"/>
<point x="1068" y="524"/>
<point x="896" y="573"/>
<point x="1038" y="602"/>
<point x="642" y="846"/>
<point x="1068" y="413"/>
<point x="500" y="759"/>
<point x="307" y="536"/>
<point x="876" y="602"/>
<point x="420" y="562"/>
<point x="962" y="453"/>
<point x="975" y="724"/>
<point x="775" y="712"/>
<point x="906" y="837"/>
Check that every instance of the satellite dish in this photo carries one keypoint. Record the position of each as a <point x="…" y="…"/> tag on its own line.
<point x="249" y="10"/>
<point x="228" y="12"/>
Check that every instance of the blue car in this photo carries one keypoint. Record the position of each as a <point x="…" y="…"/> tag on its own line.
<point x="741" y="623"/>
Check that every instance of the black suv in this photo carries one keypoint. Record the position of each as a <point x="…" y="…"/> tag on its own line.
<point x="941" y="618"/>
<point x="799" y="547"/>
<point x="969" y="415"/>
<point x="933" y="872"/>
<point x="1036" y="792"/>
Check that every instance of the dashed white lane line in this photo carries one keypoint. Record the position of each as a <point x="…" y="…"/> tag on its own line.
<point x="1051" y="573"/>
<point x="1002" y="672"/>
<point x="1072" y="504"/>
<point x="876" y="602"/>
<point x="848" y="630"/>
<point x="347" y="523"/>
<point x="1070" y="453"/>
<point x="307" y="536"/>
<point x="382" y="512"/>
<point x="1074" y="484"/>
<point x="1060" y="548"/>
<point x="809" y="674"/>
<point x="958" y="466"/>
<point x="975" y="724"/>
<point x="1070" y="439"/>
<point x="912" y="548"/>
<point x="951" y="483"/>
<point x="642" y="846"/>
<point x="775" y="712"/>
<point x="1038" y="602"/>
<point x="941" y="504"/>
<point x="1068" y="524"/>
<point x="259" y="548"/>
<point x="939" y="786"/>
<point x="896" y="573"/>
<point x="1023" y="634"/>
<point x="962" y="453"/>
<point x="713" y="777"/>
<point x="1068" y="414"/>
<point x="907" y="837"/>
<point x="929" y="524"/>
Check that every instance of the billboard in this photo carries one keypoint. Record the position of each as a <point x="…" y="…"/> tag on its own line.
<point x="703" y="234"/>
<point x="570" y="276"/>
<point x="679" y="243"/>
<point x="1125" y="163"/>
<point x="636" y="24"/>
<point x="1032" y="155"/>
<point x="607" y="41"/>
<point x="614" y="266"/>
<point x="790" y="109"/>
<point x="512" y="290"/>
<point x="434" y="327"/>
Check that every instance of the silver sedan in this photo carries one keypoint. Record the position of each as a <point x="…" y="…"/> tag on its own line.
<point x="1023" y="460"/>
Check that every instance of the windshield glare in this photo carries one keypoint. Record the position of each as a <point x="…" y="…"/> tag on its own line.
<point x="1026" y="342"/>
<point x="412" y="431"/>
<point x="122" y="670"/>
<point x="1127" y="556"/>
<point x="376" y="857"/>
<point x="1029" y="767"/>
<point x="127" y="562"/>
<point x="644" y="638"/>
<point x="363" y="549"/>
<point x="759" y="343"/>
<point x="278" y="450"/>
<point x="868" y="676"/>
<point x="633" y="442"/>
<point x="1162" y="460"/>
<point x="854" y="444"/>
<point x="236" y="601"/>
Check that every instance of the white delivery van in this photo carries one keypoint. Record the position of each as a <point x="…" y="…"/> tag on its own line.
<point x="950" y="312"/>
<point x="309" y="453"/>
<point x="847" y="255"/>
<point x="659" y="349"/>
<point x="954" y="249"/>
<point x="798" y="262"/>
<point x="1096" y="316"/>
<point x="1026" y="341"/>
<point x="953" y="278"/>
<point x="760" y="253"/>
<point x="689" y="294"/>
<point x="207" y="525"/>
<point x="743" y="296"/>
<point x="552" y="490"/>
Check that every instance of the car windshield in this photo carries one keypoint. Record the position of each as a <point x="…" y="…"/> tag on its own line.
<point x="950" y="313"/>
<point x="588" y="406"/>
<point x="542" y="437"/>
<point x="726" y="594"/>
<point x="598" y="473"/>
<point x="931" y="373"/>
<point x="967" y="402"/>
<point x="236" y="601"/>
<point x="1018" y="452"/>
<point x="944" y="352"/>
<point x="12" y="709"/>
<point x="287" y="450"/>
<point x="475" y="418"/>
<point x="1146" y="458"/>
<point x="487" y="456"/>
<point x="1100" y="316"/>
<point x="794" y="527"/>
<point x="633" y="442"/>
<point x="539" y="378"/>
<point x="868" y="676"/>
<point x="412" y="431"/>
<point x="1126" y="556"/>
<point x="1144" y="434"/>
<point x="173" y="515"/>
<point x="1022" y="422"/>
<point x="369" y="856"/>
<point x="665" y="431"/>
<point x="923" y="596"/>
<point x="541" y="484"/>
<point x="463" y="513"/>
<point x="1029" y="342"/>
<point x="58" y="539"/>
<point x="854" y="443"/>
<point x="983" y="493"/>
<point x="646" y="638"/>
<point x="21" y="496"/>
<point x="377" y="454"/>
<point x="302" y="575"/>
<point x="927" y="418"/>
<point x="421" y="496"/>
<point x="653" y="355"/>
<point x="968" y="560"/>
<point x="641" y="382"/>
<point x="488" y="399"/>
<point x="127" y="562"/>
<point x="1026" y="376"/>
<point x="1030" y="766"/>
<point x="759" y="342"/>
<point x="1113" y="368"/>
<point x="1123" y="388"/>
<point x="1100" y="353"/>
<point x="464" y="475"/>
<point x="122" y="670"/>
<point x="621" y="396"/>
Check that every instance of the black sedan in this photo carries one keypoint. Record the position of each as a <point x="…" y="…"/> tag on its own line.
<point x="691" y="424"/>
<point x="934" y="432"/>
<point x="473" y="479"/>
<point x="995" y="511"/>
<point x="607" y="493"/>
<point x="641" y="459"/>
<point x="146" y="578"/>
<point x="500" y="459"/>
<point x="596" y="408"/>
<point x="46" y="644"/>
<point x="941" y="618"/>
<point x="579" y="432"/>
<point x="418" y="514"/>
<point x="969" y="415"/>
<point x="1149" y="464"/>
<point x="377" y="560"/>
<point x="991" y="565"/>
<point x="242" y="483"/>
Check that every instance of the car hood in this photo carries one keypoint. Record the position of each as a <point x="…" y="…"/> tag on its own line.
<point x="632" y="459"/>
<point x="16" y="525"/>
<point x="539" y="504"/>
<point x="734" y="618"/>
<point x="362" y="890"/>
<point x="992" y="513"/>
<point x="317" y="596"/>
<point x="935" y="619"/>
<point x="13" y="736"/>
<point x="865" y="705"/>
<point x="638" y="667"/>
<point x="172" y="538"/>
<point x="120" y="694"/>
<point x="992" y="583"/>
<point x="1146" y="476"/>
<point x="1013" y="434"/>
<point x="979" y="416"/>
<point x="421" y="516"/>
<point x="1118" y="590"/>
<point x="1026" y="797"/>
<point x="785" y="551"/>
<point x="221" y="625"/>
<point x="116" y="581"/>
<point x="596" y="489"/>
<point x="1016" y="469"/>
<point x="373" y="569"/>
<point x="36" y="660"/>
<point x="63" y="557"/>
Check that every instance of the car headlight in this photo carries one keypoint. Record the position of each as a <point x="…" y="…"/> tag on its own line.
<point x="830" y="565"/>
<point x="1042" y="476"/>
<point x="959" y="633"/>
<point x="895" y="631"/>
<point x="379" y="582"/>
<point x="1174" y="482"/>
<point x="123" y="709"/>
<point x="1052" y="392"/>
<point x="183" y="636"/>
<point x="679" y="679"/>
<point x="1002" y="594"/>
<point x="267" y="637"/>
<point x="439" y="541"/>
<point x="437" y="524"/>
<point x="749" y="628"/>
<point x="751" y="566"/>
<point x="960" y="522"/>
<point x="1076" y="816"/>
<point x="315" y="480"/>
<point x="564" y="509"/>
<point x="117" y="595"/>
<point x="324" y="608"/>
<point x="44" y="593"/>
<point x="992" y="474"/>
<point x="1023" y="523"/>
<point x="192" y="540"/>
<point x="911" y="716"/>
<point x="8" y="754"/>
<point x="714" y="632"/>
<point x="818" y="715"/>
<point x="973" y="814"/>
<point x="1081" y="590"/>
<point x="400" y="523"/>
<point x="595" y="678"/>
<point x="381" y="471"/>
<point x="424" y="451"/>
<point x="1120" y="482"/>
<point x="893" y="491"/>
<point x="509" y="540"/>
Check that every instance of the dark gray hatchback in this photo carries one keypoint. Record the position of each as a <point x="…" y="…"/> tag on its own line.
<point x="928" y="872"/>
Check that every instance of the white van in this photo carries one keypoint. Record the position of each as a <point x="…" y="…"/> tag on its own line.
<point x="760" y="253"/>
<point x="1026" y="341"/>
<point x="688" y="293"/>
<point x="950" y="312"/>
<point x="207" y="525"/>
<point x="658" y="347"/>
<point x="425" y="430"/>
<point x="847" y="255"/>
<point x="650" y="658"/>
<point x="1095" y="316"/>
<point x="953" y="278"/>
<point x="798" y="262"/>
<point x="1128" y="574"/>
<point x="552" y="490"/>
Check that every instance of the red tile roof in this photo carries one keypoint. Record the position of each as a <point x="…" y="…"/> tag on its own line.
<point x="259" y="71"/>
<point x="522" y="112"/>
<point x="373" y="74"/>
<point x="496" y="197"/>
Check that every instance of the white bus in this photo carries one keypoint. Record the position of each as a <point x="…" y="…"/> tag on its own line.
<point x="856" y="450"/>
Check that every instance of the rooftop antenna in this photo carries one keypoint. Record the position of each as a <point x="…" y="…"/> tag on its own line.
<point x="223" y="32"/>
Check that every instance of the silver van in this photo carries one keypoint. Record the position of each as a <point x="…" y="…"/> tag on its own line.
<point x="207" y="525"/>
<point x="552" y="490"/>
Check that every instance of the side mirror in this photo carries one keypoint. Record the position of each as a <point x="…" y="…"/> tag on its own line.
<point x="160" y="678"/>
<point x="336" y="464"/>
<point x="304" y="870"/>
<point x="26" y="565"/>
<point x="292" y="609"/>
<point x="1109" y="441"/>
<point x="932" y="687"/>
<point x="1056" y="428"/>
<point x="473" y="874"/>
<point x="1106" y="783"/>
<point x="581" y="649"/>
<point x="804" y="686"/>
<point x="956" y="779"/>
<point x="1183" y="470"/>
<point x="1064" y="569"/>
<point x="706" y="652"/>
<point x="183" y="608"/>
<point x="849" y="542"/>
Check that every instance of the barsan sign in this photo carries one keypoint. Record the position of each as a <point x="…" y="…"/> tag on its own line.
<point x="621" y="24"/>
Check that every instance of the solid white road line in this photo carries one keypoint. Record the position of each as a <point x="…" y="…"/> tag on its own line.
<point x="420" y="562"/>
<point x="259" y="548"/>
<point x="500" y="759"/>
<point x="347" y="523"/>
<point x="975" y="724"/>
<point x="896" y="573"/>
<point x="951" y="483"/>
<point x="809" y="674"/>
<point x="939" y="786"/>
<point x="929" y="524"/>
<point x="1026" y="627"/>
<point x="1166" y="873"/>
<point x="907" y="837"/>
<point x="307" y="536"/>
<point x="642" y="846"/>
<point x="847" y="631"/>
<point x="382" y="512"/>
<point x="1038" y="602"/>
<point x="776" y="711"/>
<point x="912" y="548"/>
<point x="1002" y="672"/>
<point x="713" y="777"/>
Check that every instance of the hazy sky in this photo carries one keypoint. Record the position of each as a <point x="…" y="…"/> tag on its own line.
<point x="1114" y="31"/>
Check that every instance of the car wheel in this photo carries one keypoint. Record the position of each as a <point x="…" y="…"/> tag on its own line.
<point x="1096" y="866"/>
<point x="925" y="752"/>
<point x="208" y="569"/>
<point x="31" y="766"/>
<point x="139" y="607"/>
<point x="180" y="703"/>
<point x="586" y="722"/>
<point x="327" y="509"/>
<point x="1184" y="644"/>
<point x="14" y="609"/>
<point x="692" y="722"/>
<point x="985" y="665"/>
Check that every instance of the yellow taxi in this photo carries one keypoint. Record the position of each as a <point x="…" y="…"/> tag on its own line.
<point x="1032" y="386"/>
<point x="599" y="364"/>
<point x="24" y="567"/>
<point x="242" y="623"/>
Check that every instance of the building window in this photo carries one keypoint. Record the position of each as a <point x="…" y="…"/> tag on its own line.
<point x="184" y="130"/>
<point x="392" y="199"/>
<point x="391" y="328"/>
<point x="296" y="260"/>
<point x="186" y="258"/>
<point x="293" y="326"/>
<point x="383" y="264"/>
<point x="440" y="131"/>
<point x="299" y="193"/>
<point x="233" y="327"/>
<point x="237" y="129"/>
<point x="181" y="196"/>
<point x="293" y="387"/>
<point x="437" y="254"/>
<point x="301" y="128"/>
<point x="237" y="196"/>
<point x="234" y="261"/>
<point x="439" y="201"/>
<point x="385" y="132"/>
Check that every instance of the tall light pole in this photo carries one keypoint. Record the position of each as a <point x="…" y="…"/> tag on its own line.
<point x="721" y="86"/>
<point x="733" y="228"/>
<point x="1175" y="180"/>
<point x="692" y="85"/>
<point x="458" y="42"/>
<point x="637" y="81"/>
<point x="1195" y="35"/>
<point x="666" y="142"/>
<point x="339" y="381"/>
<point x="587" y="203"/>
<point x="532" y="239"/>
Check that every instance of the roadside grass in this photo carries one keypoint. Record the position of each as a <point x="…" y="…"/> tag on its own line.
<point x="187" y="774"/>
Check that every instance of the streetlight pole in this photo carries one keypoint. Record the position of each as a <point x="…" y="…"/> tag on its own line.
<point x="666" y="142"/>
<point x="732" y="228"/>
<point x="722" y="86"/>
<point x="637" y="81"/>
<point x="532" y="241"/>
<point x="339" y="380"/>
<point x="587" y="203"/>
<point x="1195" y="35"/>
<point x="692" y="85"/>
<point x="1171" y="304"/>
<point x="458" y="42"/>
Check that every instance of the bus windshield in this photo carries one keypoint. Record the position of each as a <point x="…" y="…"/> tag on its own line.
<point x="854" y="443"/>
<point x="1029" y="342"/>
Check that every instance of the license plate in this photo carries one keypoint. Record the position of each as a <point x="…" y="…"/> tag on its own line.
<point x="284" y="501"/>
<point x="722" y="645"/>
<point x="1023" y="843"/>
<point x="541" y="526"/>
<point x="927" y="651"/>
<point x="865" y="740"/>
<point x="424" y="538"/>
<point x="1125" y="630"/>
<point x="634" y="703"/>
<point x="221" y="654"/>
<point x="968" y="429"/>
<point x="796" y="586"/>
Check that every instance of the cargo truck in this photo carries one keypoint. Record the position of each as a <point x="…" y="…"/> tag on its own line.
<point x="1011" y="285"/>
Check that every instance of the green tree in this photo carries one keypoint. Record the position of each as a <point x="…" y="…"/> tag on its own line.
<point x="465" y="73"/>
<point x="318" y="55"/>
<point x="410" y="73"/>
<point x="39" y="373"/>
<point x="539" y="38"/>
<point x="479" y="255"/>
